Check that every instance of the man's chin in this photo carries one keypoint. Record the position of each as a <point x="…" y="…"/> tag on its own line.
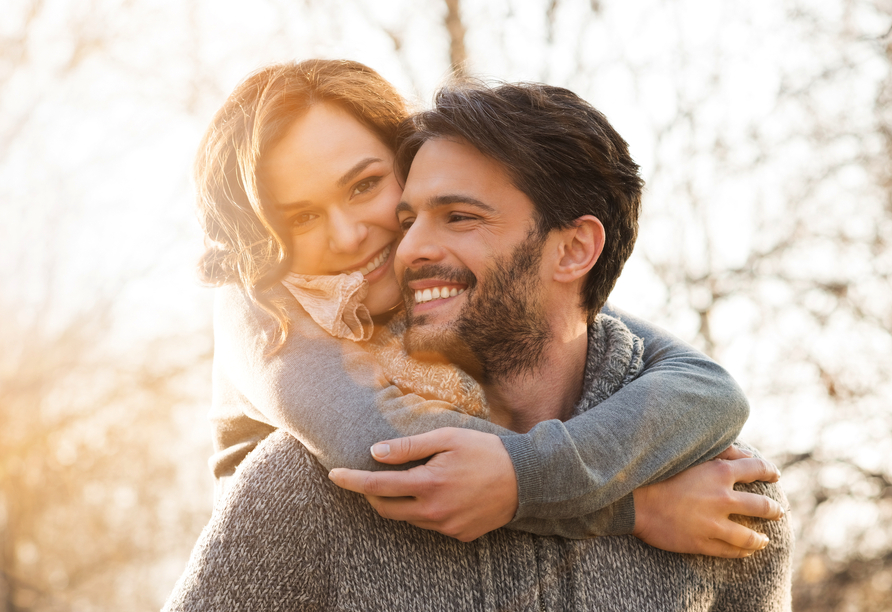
<point x="439" y="344"/>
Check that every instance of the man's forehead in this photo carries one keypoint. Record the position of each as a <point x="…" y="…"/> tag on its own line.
<point x="450" y="169"/>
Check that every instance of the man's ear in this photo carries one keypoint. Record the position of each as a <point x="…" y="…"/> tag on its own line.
<point x="580" y="247"/>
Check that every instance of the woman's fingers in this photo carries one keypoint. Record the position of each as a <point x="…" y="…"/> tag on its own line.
<point x="744" y="538"/>
<point x="752" y="504"/>
<point x="466" y="489"/>
<point x="733" y="452"/>
<point x="752" y="469"/>
<point x="720" y="548"/>
<point x="407" y="483"/>
<point x="413" y="448"/>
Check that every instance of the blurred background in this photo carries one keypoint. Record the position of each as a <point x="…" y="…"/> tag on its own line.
<point x="764" y="131"/>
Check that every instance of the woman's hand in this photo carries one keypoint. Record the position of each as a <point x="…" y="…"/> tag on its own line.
<point x="466" y="489"/>
<point x="689" y="513"/>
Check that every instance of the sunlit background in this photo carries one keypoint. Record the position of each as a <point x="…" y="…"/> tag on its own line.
<point x="764" y="131"/>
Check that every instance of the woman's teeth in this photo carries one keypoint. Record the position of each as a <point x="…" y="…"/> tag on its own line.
<point x="437" y="293"/>
<point x="375" y="263"/>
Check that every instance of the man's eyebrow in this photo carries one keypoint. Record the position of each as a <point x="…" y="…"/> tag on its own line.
<point x="353" y="172"/>
<point x="446" y="200"/>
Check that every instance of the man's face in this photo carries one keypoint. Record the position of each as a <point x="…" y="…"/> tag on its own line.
<point x="470" y="263"/>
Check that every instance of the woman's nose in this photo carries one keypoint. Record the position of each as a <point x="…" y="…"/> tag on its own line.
<point x="345" y="234"/>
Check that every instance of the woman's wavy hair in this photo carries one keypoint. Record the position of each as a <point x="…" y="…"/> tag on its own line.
<point x="246" y="243"/>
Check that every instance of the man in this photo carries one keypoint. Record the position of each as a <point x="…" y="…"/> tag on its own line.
<point x="525" y="198"/>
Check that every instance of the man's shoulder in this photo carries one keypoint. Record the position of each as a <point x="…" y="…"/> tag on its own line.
<point x="266" y="540"/>
<point x="614" y="359"/>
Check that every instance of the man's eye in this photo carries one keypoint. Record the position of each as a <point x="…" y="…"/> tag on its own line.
<point x="405" y="224"/>
<point x="365" y="185"/>
<point x="458" y="217"/>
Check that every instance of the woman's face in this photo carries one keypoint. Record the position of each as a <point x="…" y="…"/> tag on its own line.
<point x="332" y="180"/>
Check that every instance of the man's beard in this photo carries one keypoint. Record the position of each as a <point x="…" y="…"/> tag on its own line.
<point x="501" y="331"/>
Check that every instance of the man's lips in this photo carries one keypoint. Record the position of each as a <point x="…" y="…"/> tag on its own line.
<point x="437" y="292"/>
<point x="431" y="283"/>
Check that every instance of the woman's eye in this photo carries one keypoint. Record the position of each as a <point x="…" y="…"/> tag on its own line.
<point x="365" y="185"/>
<point x="303" y="219"/>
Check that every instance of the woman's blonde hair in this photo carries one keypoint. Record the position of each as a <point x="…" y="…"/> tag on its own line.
<point x="246" y="243"/>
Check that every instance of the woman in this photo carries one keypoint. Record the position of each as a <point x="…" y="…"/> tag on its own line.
<point x="297" y="195"/>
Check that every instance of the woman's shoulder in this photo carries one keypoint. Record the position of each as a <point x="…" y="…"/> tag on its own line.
<point x="231" y="298"/>
<point x="235" y="310"/>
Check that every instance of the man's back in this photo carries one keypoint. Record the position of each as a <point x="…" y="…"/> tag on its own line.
<point x="286" y="538"/>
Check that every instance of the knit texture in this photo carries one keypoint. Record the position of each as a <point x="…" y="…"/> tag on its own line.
<point x="286" y="538"/>
<point x="335" y="303"/>
<point x="441" y="381"/>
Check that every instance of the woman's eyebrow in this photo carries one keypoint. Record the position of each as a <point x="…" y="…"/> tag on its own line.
<point x="348" y="176"/>
<point x="353" y="172"/>
<point x="292" y="206"/>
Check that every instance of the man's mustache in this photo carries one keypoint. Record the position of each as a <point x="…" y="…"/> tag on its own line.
<point x="438" y="271"/>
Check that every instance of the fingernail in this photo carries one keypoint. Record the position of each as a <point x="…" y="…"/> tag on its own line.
<point x="783" y="512"/>
<point x="764" y="542"/>
<point x="331" y="474"/>
<point x="380" y="450"/>
<point x="746" y="452"/>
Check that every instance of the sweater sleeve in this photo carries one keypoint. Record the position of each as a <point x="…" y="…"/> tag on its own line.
<point x="330" y="394"/>
<point x="576" y="478"/>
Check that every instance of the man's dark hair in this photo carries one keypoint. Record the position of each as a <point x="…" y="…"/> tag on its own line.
<point x="558" y="150"/>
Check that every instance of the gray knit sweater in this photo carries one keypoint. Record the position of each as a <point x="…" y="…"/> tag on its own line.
<point x="285" y="538"/>
<point x="575" y="478"/>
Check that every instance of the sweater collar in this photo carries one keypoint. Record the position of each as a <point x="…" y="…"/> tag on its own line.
<point x="614" y="359"/>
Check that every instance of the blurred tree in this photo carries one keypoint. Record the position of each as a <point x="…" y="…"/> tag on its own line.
<point x="103" y="484"/>
<point x="95" y="506"/>
<point x="765" y="135"/>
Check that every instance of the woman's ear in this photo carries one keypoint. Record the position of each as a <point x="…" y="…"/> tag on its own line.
<point x="580" y="247"/>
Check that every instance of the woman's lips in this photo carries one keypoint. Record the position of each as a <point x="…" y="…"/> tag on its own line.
<point x="375" y="263"/>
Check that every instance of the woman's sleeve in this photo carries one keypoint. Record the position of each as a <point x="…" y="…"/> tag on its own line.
<point x="576" y="478"/>
<point x="330" y="394"/>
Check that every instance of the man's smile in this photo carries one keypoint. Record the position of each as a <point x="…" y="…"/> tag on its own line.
<point x="437" y="292"/>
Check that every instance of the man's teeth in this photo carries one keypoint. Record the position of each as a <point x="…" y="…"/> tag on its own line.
<point x="437" y="293"/>
<point x="375" y="263"/>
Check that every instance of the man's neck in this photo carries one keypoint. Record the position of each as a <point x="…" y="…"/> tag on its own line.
<point x="548" y="392"/>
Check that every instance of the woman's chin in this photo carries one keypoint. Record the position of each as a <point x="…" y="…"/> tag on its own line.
<point x="379" y="302"/>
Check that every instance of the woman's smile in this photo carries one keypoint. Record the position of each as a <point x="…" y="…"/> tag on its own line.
<point x="332" y="180"/>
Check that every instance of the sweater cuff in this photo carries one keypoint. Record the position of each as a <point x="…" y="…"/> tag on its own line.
<point x="624" y="516"/>
<point x="530" y="489"/>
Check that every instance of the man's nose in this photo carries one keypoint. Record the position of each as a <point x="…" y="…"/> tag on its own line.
<point x="345" y="234"/>
<point x="418" y="246"/>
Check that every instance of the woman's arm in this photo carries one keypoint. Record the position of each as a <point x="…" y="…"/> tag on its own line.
<point x="328" y="393"/>
<point x="333" y="397"/>
<point x="681" y="410"/>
